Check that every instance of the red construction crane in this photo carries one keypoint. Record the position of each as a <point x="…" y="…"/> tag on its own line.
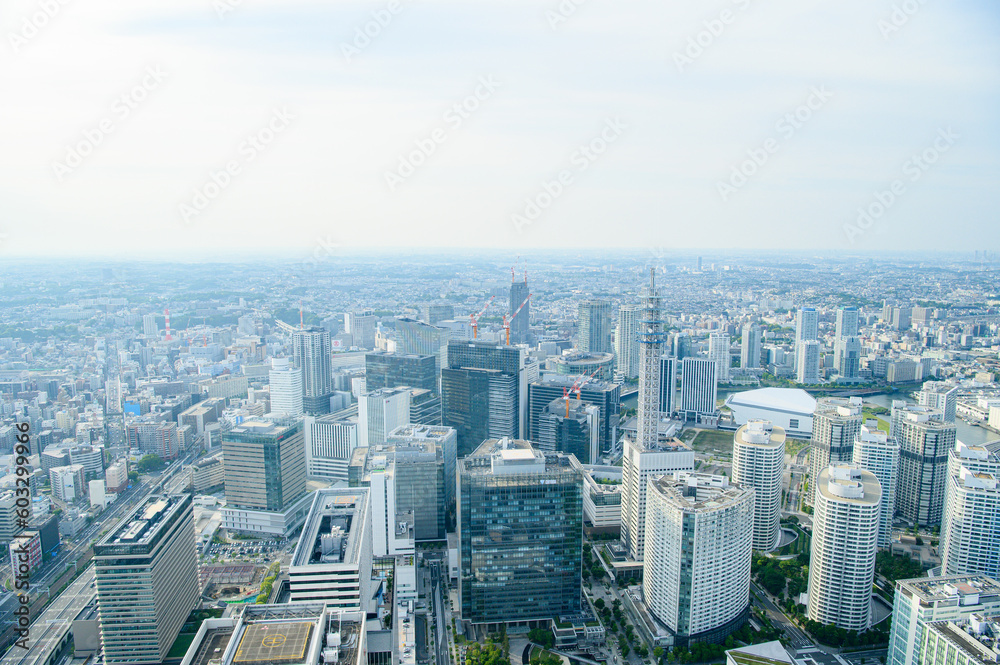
<point x="577" y="385"/>
<point x="475" y="318"/>
<point x="507" y="321"/>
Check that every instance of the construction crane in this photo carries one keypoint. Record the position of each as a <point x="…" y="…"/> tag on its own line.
<point x="507" y="321"/>
<point x="475" y="318"/>
<point x="580" y="382"/>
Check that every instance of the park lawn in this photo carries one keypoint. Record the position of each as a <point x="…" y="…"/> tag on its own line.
<point x="181" y="645"/>
<point x="712" y="440"/>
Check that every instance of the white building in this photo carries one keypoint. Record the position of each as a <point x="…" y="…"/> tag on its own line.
<point x="286" y="388"/>
<point x="875" y="451"/>
<point x="638" y="466"/>
<point x="844" y="543"/>
<point x="330" y="442"/>
<point x="807" y="362"/>
<point x="718" y="351"/>
<point x="696" y="567"/>
<point x="627" y="341"/>
<point x="380" y="412"/>
<point x="68" y="482"/>
<point x="925" y="600"/>
<point x="332" y="562"/>
<point x="699" y="387"/>
<point x="791" y="409"/>
<point x="759" y="463"/>
<point x="602" y="502"/>
<point x="941" y="396"/>
<point x="970" y="528"/>
<point x="98" y="498"/>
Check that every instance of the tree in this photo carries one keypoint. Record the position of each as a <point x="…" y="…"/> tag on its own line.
<point x="150" y="463"/>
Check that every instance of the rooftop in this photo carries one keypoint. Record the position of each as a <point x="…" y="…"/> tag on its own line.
<point x="143" y="526"/>
<point x="788" y="400"/>
<point x="331" y="531"/>
<point x="949" y="587"/>
<point x="760" y="433"/>
<point x="698" y="491"/>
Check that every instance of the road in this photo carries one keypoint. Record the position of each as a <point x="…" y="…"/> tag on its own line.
<point x="869" y="657"/>
<point x="796" y="638"/>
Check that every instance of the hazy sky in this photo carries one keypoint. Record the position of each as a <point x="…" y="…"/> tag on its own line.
<point x="625" y="122"/>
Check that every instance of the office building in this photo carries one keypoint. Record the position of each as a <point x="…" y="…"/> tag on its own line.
<point x="807" y="362"/>
<point x="606" y="396"/>
<point x="594" y="327"/>
<point x="435" y="312"/>
<point x="940" y="396"/>
<point x="418" y="338"/>
<point x="361" y="326"/>
<point x="696" y="568"/>
<point x="901" y="318"/>
<point x="286" y="389"/>
<point x="976" y="641"/>
<point x="484" y="392"/>
<point x="380" y="412"/>
<point x="329" y="442"/>
<point x="627" y="341"/>
<point x="445" y="439"/>
<point x="668" y="385"/>
<point x="518" y="297"/>
<point x="751" y="346"/>
<point x="571" y="427"/>
<point x="639" y="464"/>
<point x="970" y="527"/>
<point x="394" y="370"/>
<point x="806" y="325"/>
<point x="759" y="463"/>
<point x="681" y="346"/>
<point x="68" y="483"/>
<point x="602" y="505"/>
<point x="311" y="347"/>
<point x="847" y="357"/>
<point x="425" y="407"/>
<point x="924" y="442"/>
<point x="718" y="351"/>
<point x="147" y="580"/>
<point x="847" y="322"/>
<point x="926" y="600"/>
<point x="844" y="543"/>
<point x="699" y="387"/>
<point x="10" y="525"/>
<point x="272" y="503"/>
<point x="149" y="328"/>
<point x="520" y="525"/>
<point x="877" y="452"/>
<point x="332" y="562"/>
<point x="836" y="423"/>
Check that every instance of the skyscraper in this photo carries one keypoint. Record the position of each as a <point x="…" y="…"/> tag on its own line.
<point x="718" y="350"/>
<point x="668" y="384"/>
<point x="594" y="333"/>
<point x="751" y="346"/>
<point x="836" y="424"/>
<point x="681" y="348"/>
<point x="847" y="322"/>
<point x="362" y="326"/>
<point x="418" y="338"/>
<point x="146" y="570"/>
<point x="392" y="370"/>
<point x="286" y="388"/>
<point x="329" y="443"/>
<point x="877" y="452"/>
<point x="807" y="362"/>
<point x="311" y="347"/>
<point x="970" y="528"/>
<point x="606" y="396"/>
<point x="627" y="341"/>
<point x="572" y="428"/>
<point x="940" y="396"/>
<point x="484" y="392"/>
<point x="847" y="357"/>
<point x="520" y="526"/>
<point x="844" y="543"/>
<point x="806" y="324"/>
<point x="639" y="465"/>
<point x="699" y="387"/>
<point x="380" y="412"/>
<point x="519" y="323"/>
<point x="924" y="442"/>
<point x="274" y="502"/>
<point x="696" y="568"/>
<point x="759" y="463"/>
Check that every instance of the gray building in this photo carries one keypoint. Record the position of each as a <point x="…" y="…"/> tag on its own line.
<point x="571" y="427"/>
<point x="924" y="441"/>
<point x="520" y="531"/>
<point x="606" y="396"/>
<point x="394" y="370"/>
<point x="311" y="354"/>
<point x="836" y="423"/>
<point x="519" y="324"/>
<point x="147" y="580"/>
<point x="594" y="332"/>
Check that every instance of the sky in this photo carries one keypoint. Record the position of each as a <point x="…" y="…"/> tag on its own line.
<point x="166" y="127"/>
